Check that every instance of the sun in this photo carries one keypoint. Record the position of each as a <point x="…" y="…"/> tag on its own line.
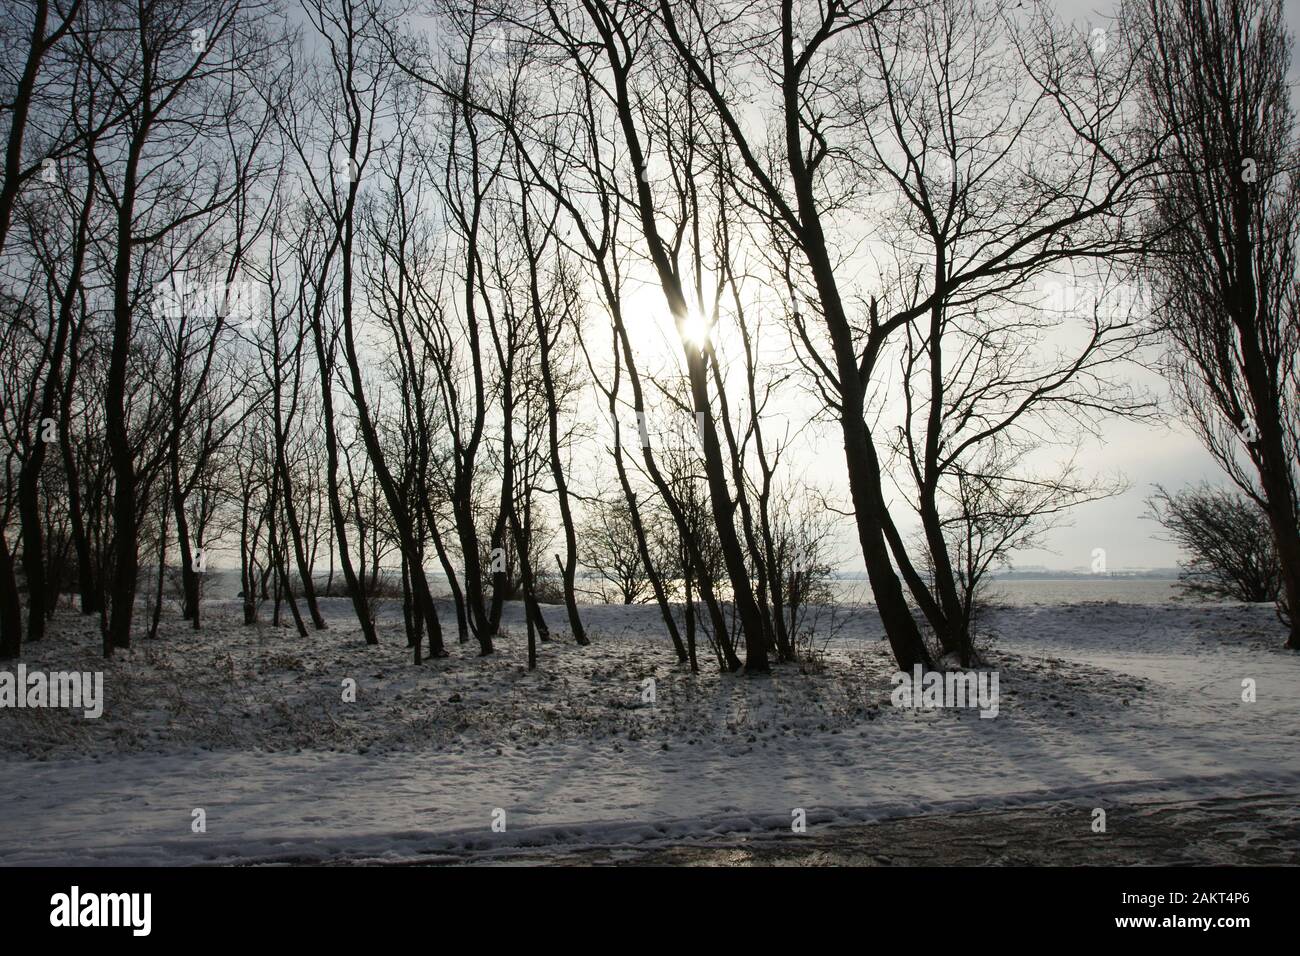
<point x="657" y="334"/>
<point x="695" y="330"/>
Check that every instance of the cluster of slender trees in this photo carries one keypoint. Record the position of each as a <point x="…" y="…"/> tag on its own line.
<point x="515" y="296"/>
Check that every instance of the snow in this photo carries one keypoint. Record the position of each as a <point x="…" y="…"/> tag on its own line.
<point x="1102" y="705"/>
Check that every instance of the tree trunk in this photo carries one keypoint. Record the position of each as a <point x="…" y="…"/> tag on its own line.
<point x="33" y="556"/>
<point x="359" y="603"/>
<point x="11" y="619"/>
<point x="125" y="533"/>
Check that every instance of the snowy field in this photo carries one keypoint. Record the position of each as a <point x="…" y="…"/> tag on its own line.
<point x="1102" y="705"/>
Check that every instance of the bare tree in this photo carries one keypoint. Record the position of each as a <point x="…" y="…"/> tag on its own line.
<point x="612" y="551"/>
<point x="48" y="28"/>
<point x="180" y="155"/>
<point x="850" y="125"/>
<point x="1228" y="538"/>
<point x="1224" y="266"/>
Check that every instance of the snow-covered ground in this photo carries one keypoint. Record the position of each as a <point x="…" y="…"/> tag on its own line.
<point x="1101" y="706"/>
